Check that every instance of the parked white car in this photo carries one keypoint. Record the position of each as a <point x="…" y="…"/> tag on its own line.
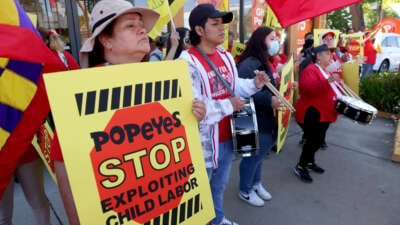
<point x="389" y="58"/>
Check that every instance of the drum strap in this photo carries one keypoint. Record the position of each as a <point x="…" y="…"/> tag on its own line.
<point x="219" y="76"/>
<point x="333" y="84"/>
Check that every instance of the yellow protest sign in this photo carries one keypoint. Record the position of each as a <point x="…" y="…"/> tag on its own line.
<point x="225" y="8"/>
<point x="351" y="76"/>
<point x="131" y="144"/>
<point x="318" y="36"/>
<point x="161" y="6"/>
<point x="270" y="18"/>
<point x="286" y="90"/>
<point x="355" y="44"/>
<point x="237" y="48"/>
<point x="42" y="143"/>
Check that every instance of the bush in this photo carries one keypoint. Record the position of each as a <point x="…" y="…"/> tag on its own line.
<point x="382" y="90"/>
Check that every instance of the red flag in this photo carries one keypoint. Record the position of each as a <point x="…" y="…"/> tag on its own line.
<point x="23" y="100"/>
<point x="291" y="12"/>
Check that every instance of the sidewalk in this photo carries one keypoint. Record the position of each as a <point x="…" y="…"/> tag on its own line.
<point x="361" y="185"/>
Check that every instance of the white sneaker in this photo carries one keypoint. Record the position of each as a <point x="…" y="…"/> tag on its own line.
<point x="251" y="198"/>
<point x="260" y="190"/>
<point x="225" y="221"/>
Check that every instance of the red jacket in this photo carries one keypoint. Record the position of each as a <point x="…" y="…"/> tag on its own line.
<point x="315" y="90"/>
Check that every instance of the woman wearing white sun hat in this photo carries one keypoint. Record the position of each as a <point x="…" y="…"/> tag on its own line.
<point x="119" y="35"/>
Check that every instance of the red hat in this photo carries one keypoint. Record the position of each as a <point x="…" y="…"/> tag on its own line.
<point x="323" y="35"/>
<point x="328" y="33"/>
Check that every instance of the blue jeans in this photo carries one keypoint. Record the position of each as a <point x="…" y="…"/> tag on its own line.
<point x="250" y="167"/>
<point x="219" y="178"/>
<point x="367" y="69"/>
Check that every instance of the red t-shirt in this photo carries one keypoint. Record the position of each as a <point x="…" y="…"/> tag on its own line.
<point x="315" y="91"/>
<point x="218" y="90"/>
<point x="369" y="52"/>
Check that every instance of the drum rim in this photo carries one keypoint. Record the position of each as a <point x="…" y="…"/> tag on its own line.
<point x="371" y="109"/>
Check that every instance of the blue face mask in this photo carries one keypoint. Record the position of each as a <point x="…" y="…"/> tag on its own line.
<point x="273" y="48"/>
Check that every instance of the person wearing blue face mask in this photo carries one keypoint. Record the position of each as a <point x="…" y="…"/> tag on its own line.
<point x="277" y="58"/>
<point x="262" y="45"/>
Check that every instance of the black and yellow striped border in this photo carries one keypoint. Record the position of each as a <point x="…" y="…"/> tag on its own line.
<point x="110" y="99"/>
<point x="179" y="214"/>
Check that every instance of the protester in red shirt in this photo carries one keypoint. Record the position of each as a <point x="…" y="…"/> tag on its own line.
<point x="335" y="63"/>
<point x="315" y="109"/>
<point x="214" y="70"/>
<point x="369" y="55"/>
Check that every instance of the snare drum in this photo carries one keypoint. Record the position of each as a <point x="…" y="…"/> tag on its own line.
<point x="245" y="130"/>
<point x="356" y="109"/>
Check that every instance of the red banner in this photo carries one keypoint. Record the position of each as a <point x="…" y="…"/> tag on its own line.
<point x="290" y="12"/>
<point x="258" y="12"/>
<point x="388" y="25"/>
<point x="304" y="27"/>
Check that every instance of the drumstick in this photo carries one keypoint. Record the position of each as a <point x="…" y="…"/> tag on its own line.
<point x="278" y="94"/>
<point x="351" y="91"/>
<point x="344" y="92"/>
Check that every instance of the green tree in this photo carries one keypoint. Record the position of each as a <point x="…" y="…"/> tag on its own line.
<point x="339" y="19"/>
<point x="375" y="10"/>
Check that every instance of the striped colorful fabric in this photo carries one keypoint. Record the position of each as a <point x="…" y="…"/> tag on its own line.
<point x="23" y="101"/>
<point x="18" y="80"/>
<point x="12" y="13"/>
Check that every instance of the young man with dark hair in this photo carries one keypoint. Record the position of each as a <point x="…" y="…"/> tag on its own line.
<point x="207" y="34"/>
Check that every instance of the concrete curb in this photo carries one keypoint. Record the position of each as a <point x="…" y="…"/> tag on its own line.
<point x="396" y="148"/>
<point x="388" y="115"/>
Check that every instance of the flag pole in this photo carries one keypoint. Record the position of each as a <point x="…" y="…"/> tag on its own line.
<point x="170" y="16"/>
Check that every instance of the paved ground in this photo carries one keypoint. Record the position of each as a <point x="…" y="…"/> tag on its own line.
<point x="361" y="185"/>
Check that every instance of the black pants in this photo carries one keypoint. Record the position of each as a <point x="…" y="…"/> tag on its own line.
<point x="314" y="133"/>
